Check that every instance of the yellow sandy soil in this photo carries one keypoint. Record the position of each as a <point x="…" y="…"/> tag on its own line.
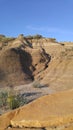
<point x="50" y="110"/>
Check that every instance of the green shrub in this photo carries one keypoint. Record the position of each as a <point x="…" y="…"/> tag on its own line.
<point x="36" y="84"/>
<point x="12" y="102"/>
<point x="29" y="37"/>
<point x="37" y="36"/>
<point x="16" y="101"/>
<point x="4" y="39"/>
<point x="3" y="99"/>
<point x="52" y="40"/>
<point x="9" y="100"/>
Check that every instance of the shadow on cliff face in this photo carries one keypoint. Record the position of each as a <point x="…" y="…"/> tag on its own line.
<point x="26" y="62"/>
<point x="2" y="75"/>
<point x="46" y="58"/>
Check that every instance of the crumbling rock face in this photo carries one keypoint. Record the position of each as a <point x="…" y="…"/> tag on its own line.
<point x="17" y="63"/>
<point x="15" y="66"/>
<point x="24" y="60"/>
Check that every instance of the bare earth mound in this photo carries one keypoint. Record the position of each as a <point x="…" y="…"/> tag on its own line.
<point x="24" y="60"/>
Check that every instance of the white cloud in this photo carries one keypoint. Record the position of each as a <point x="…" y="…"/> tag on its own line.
<point x="50" y="30"/>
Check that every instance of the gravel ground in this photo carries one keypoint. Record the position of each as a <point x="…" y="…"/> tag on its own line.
<point x="29" y="92"/>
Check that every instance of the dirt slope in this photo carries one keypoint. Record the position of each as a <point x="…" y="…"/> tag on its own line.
<point x="59" y="73"/>
<point x="23" y="61"/>
<point x="18" y="62"/>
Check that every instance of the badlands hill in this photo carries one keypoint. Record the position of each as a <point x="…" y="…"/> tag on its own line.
<point x="24" y="60"/>
<point x="20" y="62"/>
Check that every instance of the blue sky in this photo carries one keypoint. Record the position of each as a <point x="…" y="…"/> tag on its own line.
<point x="50" y="18"/>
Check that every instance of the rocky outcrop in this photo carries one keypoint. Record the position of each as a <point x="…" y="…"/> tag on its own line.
<point x="40" y="59"/>
<point x="17" y="62"/>
<point x="51" y="111"/>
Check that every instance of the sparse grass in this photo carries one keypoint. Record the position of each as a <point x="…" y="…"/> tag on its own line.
<point x="36" y="84"/>
<point x="67" y="50"/>
<point x="15" y="101"/>
<point x="3" y="99"/>
<point x="37" y="36"/>
<point x="53" y="40"/>
<point x="4" y="39"/>
<point x="9" y="100"/>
